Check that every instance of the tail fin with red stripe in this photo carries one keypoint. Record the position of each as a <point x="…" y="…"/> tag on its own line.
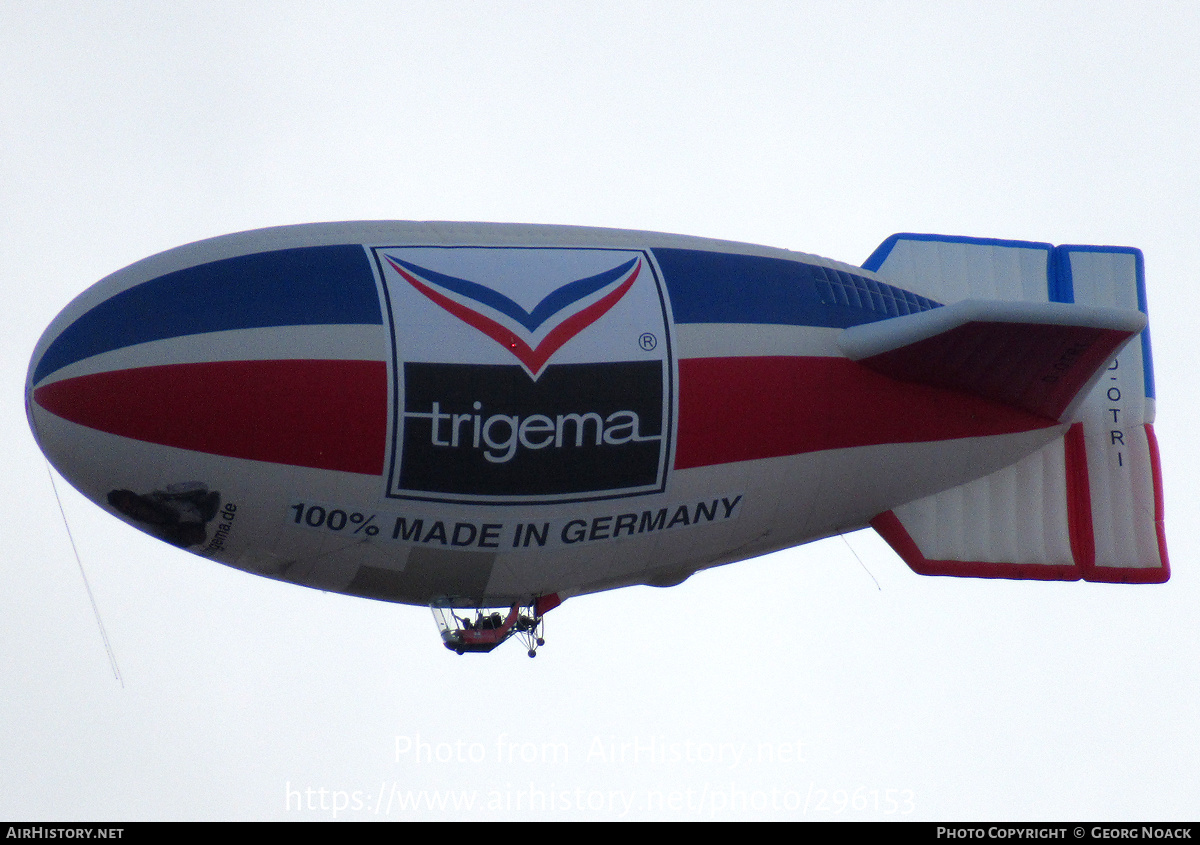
<point x="1088" y="505"/>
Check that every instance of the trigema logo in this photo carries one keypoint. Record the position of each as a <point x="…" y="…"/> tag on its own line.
<point x="527" y="374"/>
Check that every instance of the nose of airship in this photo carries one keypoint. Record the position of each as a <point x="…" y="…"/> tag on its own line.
<point x="276" y="356"/>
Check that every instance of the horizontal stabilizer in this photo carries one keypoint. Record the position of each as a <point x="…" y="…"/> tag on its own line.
<point x="1037" y="356"/>
<point x="1086" y="506"/>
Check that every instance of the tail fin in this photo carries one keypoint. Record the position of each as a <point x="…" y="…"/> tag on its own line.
<point x="1086" y="506"/>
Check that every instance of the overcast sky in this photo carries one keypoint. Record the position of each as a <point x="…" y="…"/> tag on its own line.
<point x="127" y="129"/>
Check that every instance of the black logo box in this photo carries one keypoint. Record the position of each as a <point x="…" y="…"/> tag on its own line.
<point x="601" y="389"/>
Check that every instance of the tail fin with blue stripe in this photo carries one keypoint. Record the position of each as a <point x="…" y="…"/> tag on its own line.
<point x="1088" y="505"/>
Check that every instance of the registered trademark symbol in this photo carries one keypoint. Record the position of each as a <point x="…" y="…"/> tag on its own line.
<point x="647" y="341"/>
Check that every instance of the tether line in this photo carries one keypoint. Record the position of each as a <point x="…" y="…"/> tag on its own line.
<point x="112" y="658"/>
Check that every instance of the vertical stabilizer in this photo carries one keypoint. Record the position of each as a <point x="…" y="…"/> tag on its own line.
<point x="1118" y="444"/>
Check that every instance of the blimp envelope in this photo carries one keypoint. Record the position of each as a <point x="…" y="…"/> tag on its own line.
<point x="483" y="414"/>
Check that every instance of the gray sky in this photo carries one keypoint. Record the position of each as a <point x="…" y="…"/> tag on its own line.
<point x="127" y="129"/>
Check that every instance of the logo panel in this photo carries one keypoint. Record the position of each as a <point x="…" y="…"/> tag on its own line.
<point x="527" y="374"/>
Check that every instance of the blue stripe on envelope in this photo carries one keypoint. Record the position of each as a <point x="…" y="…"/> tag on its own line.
<point x="716" y="287"/>
<point x="320" y="285"/>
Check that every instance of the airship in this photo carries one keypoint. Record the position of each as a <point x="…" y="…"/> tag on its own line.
<point x="488" y="419"/>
